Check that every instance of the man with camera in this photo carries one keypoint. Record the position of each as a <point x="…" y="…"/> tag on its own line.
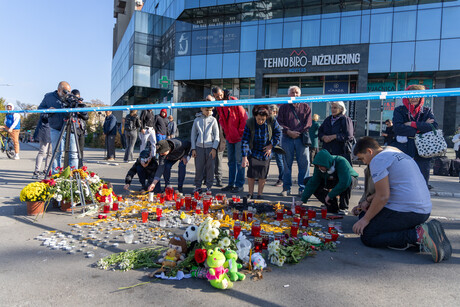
<point x="58" y="100"/>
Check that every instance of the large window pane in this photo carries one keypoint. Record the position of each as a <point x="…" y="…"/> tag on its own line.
<point x="141" y="76"/>
<point x="231" y="67"/>
<point x="231" y="39"/>
<point x="214" y="66"/>
<point x="366" y="21"/>
<point x="249" y="38"/>
<point x="431" y="29"/>
<point x="381" y="28"/>
<point x="273" y="35"/>
<point x="247" y="64"/>
<point x="330" y="31"/>
<point x="183" y="43"/>
<point x="379" y="58"/>
<point x="451" y="22"/>
<point x="427" y="55"/>
<point x="291" y="37"/>
<point x="310" y="33"/>
<point x="449" y="59"/>
<point x="215" y="40"/>
<point x="404" y="26"/>
<point x="198" y="67"/>
<point x="199" y="42"/>
<point x="350" y="30"/>
<point x="402" y="57"/>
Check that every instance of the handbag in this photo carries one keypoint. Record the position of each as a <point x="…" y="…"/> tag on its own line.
<point x="431" y="144"/>
<point x="306" y="141"/>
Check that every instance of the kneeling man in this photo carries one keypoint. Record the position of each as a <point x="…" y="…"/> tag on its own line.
<point x="398" y="212"/>
<point x="145" y="167"/>
<point x="333" y="176"/>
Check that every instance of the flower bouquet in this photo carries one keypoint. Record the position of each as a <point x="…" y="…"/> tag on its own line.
<point x="35" y="194"/>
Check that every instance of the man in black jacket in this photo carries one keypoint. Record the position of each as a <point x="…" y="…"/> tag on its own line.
<point x="145" y="168"/>
<point x="170" y="152"/>
<point x="147" y="119"/>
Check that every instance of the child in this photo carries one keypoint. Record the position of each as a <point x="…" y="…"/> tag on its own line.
<point x="205" y="140"/>
<point x="13" y="126"/>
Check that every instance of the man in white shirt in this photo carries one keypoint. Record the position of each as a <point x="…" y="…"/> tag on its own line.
<point x="397" y="215"/>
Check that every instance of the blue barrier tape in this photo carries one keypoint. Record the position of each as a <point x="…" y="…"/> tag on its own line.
<point x="449" y="92"/>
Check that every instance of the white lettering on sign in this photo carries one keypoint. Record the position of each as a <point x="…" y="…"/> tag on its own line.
<point x="300" y="61"/>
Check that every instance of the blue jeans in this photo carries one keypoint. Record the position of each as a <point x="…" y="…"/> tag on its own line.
<point x="160" y="137"/>
<point x="167" y="172"/>
<point x="235" y="171"/>
<point x="295" y="147"/>
<point x="73" y="156"/>
<point x="280" y="163"/>
<point x="392" y="228"/>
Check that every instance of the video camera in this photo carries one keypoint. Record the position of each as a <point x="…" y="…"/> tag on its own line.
<point x="72" y="101"/>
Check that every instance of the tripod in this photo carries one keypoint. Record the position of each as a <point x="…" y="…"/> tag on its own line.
<point x="68" y="127"/>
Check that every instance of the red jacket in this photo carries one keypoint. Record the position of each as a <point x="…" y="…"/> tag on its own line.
<point x="232" y="120"/>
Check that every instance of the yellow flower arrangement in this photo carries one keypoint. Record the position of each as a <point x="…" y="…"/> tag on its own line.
<point x="35" y="191"/>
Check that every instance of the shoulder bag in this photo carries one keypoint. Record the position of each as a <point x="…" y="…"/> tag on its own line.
<point x="431" y="144"/>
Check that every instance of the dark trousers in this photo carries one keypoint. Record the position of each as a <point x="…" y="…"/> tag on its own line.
<point x="167" y="172"/>
<point x="81" y="144"/>
<point x="110" y="145"/>
<point x="280" y="163"/>
<point x="313" y="152"/>
<point x="424" y="164"/>
<point x="146" y="180"/>
<point x="392" y="228"/>
<point x="218" y="166"/>
<point x="457" y="154"/>
<point x="334" y="205"/>
<point x="131" y="138"/>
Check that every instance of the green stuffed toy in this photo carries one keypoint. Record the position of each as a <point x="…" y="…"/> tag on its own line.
<point x="217" y="274"/>
<point x="232" y="266"/>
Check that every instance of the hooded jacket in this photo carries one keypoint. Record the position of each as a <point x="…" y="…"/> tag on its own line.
<point x="417" y="116"/>
<point x="178" y="149"/>
<point x="205" y="132"/>
<point x="149" y="170"/>
<point x="161" y="123"/>
<point x="13" y="120"/>
<point x="232" y="120"/>
<point x="337" y="166"/>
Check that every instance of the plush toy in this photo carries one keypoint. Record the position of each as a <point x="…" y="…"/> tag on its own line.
<point x="217" y="274"/>
<point x="190" y="235"/>
<point x="258" y="262"/>
<point x="170" y="261"/>
<point x="233" y="266"/>
<point x="180" y="245"/>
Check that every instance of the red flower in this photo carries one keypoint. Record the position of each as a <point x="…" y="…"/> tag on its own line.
<point x="84" y="168"/>
<point x="92" y="174"/>
<point x="200" y="255"/>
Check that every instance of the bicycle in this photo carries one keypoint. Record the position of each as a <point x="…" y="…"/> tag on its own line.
<point x="7" y="145"/>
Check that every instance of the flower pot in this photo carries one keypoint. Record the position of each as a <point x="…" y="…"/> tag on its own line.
<point x="66" y="206"/>
<point x="35" y="207"/>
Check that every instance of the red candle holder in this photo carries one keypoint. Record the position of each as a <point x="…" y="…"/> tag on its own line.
<point x="169" y="193"/>
<point x="330" y="226"/>
<point x="257" y="244"/>
<point x="115" y="206"/>
<point x="250" y="215"/>
<point x="265" y="241"/>
<point x="145" y="215"/>
<point x="236" y="214"/>
<point x="311" y="214"/>
<point x="255" y="229"/>
<point x="219" y="197"/>
<point x="178" y="205"/>
<point x="327" y="238"/>
<point x="196" y="195"/>
<point x="159" y="213"/>
<point x="206" y="205"/>
<point x="303" y="211"/>
<point x="296" y="219"/>
<point x="106" y="209"/>
<point x="198" y="209"/>
<point x="236" y="229"/>
<point x="279" y="215"/>
<point x="294" y="230"/>
<point x="297" y="209"/>
<point x="305" y="221"/>
<point x="161" y="198"/>
<point x="193" y="204"/>
<point x="323" y="213"/>
<point x="120" y="198"/>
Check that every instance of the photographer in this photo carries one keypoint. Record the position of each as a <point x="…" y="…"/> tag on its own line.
<point x="57" y="100"/>
<point x="82" y="117"/>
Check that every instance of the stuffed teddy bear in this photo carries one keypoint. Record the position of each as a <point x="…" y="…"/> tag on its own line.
<point x="258" y="262"/>
<point x="170" y="261"/>
<point x="233" y="266"/>
<point x="180" y="245"/>
<point x="217" y="274"/>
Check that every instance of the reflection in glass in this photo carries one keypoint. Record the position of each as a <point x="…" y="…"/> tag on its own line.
<point x="272" y="36"/>
<point x="198" y="67"/>
<point x="350" y="30"/>
<point x="249" y="38"/>
<point x="427" y="55"/>
<point x="199" y="42"/>
<point x="214" y="66"/>
<point x="449" y="59"/>
<point x="231" y="39"/>
<point x="215" y="40"/>
<point x="451" y="22"/>
<point x="310" y="33"/>
<point x="330" y="31"/>
<point x="381" y="28"/>
<point x="404" y="26"/>
<point x="402" y="57"/>
<point x="379" y="57"/>
<point x="429" y="24"/>
<point x="291" y="37"/>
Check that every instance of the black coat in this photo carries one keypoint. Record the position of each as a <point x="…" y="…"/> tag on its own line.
<point x="161" y="125"/>
<point x="110" y="125"/>
<point x="343" y="128"/>
<point x="150" y="170"/>
<point x="179" y="149"/>
<point x="401" y="116"/>
<point x="42" y="132"/>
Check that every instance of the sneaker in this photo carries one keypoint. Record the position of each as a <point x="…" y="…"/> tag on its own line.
<point x="16" y="157"/>
<point x="285" y="193"/>
<point x="237" y="189"/>
<point x="279" y="183"/>
<point x="111" y="159"/>
<point x="408" y="245"/>
<point x="35" y="176"/>
<point x="431" y="236"/>
<point x="180" y="189"/>
<point x="227" y="188"/>
<point x="218" y="183"/>
<point x="342" y="212"/>
<point x="250" y="196"/>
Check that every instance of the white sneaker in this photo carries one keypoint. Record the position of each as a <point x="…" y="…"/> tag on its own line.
<point x="16" y="156"/>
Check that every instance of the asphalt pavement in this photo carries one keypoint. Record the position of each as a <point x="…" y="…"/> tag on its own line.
<point x="32" y="275"/>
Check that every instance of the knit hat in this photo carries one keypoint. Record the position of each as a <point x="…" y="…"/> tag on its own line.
<point x="163" y="146"/>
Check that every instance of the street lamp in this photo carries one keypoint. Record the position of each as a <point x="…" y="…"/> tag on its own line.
<point x="6" y="84"/>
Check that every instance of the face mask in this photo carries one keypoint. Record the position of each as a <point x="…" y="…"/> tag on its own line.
<point x="332" y="169"/>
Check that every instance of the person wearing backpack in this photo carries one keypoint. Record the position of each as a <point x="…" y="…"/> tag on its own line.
<point x="261" y="134"/>
<point x="132" y="125"/>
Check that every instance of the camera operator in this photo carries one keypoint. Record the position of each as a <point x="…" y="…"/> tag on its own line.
<point x="82" y="117"/>
<point x="57" y="100"/>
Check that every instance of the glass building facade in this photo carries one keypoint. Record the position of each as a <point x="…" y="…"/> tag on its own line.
<point x="339" y="46"/>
